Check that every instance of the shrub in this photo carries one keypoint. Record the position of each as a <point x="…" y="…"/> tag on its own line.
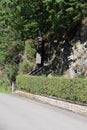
<point x="25" y="67"/>
<point x="11" y="71"/>
<point x="5" y="86"/>
<point x="70" y="89"/>
<point x="30" y="49"/>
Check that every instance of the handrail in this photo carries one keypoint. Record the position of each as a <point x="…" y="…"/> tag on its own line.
<point x="36" y="71"/>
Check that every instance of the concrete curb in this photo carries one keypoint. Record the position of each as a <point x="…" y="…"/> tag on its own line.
<point x="58" y="103"/>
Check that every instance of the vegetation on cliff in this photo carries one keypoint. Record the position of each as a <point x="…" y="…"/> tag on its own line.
<point x="20" y="21"/>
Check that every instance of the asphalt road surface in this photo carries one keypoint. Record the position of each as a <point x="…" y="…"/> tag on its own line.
<point x="18" y="113"/>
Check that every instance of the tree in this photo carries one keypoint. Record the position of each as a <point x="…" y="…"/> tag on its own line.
<point x="28" y="17"/>
<point x="64" y="15"/>
<point x="11" y="45"/>
<point x="23" y="19"/>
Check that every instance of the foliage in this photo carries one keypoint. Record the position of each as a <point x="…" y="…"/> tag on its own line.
<point x="30" y="49"/>
<point x="5" y="86"/>
<point x="11" y="47"/>
<point x="70" y="89"/>
<point x="80" y="76"/>
<point x="28" y="58"/>
<point x="11" y="71"/>
<point x="27" y="17"/>
<point x="21" y="20"/>
<point x="64" y="16"/>
<point x="25" y="67"/>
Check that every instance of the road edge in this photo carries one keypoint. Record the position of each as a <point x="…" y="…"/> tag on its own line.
<point x="58" y="103"/>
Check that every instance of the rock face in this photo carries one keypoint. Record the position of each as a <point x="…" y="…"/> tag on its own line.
<point x="78" y="57"/>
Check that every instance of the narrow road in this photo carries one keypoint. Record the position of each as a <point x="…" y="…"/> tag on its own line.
<point x="18" y="113"/>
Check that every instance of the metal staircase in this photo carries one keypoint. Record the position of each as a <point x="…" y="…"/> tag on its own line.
<point x="38" y="72"/>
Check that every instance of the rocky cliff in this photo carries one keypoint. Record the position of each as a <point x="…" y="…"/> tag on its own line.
<point x="78" y="56"/>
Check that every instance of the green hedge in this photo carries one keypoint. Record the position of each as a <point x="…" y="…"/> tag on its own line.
<point x="70" y="89"/>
